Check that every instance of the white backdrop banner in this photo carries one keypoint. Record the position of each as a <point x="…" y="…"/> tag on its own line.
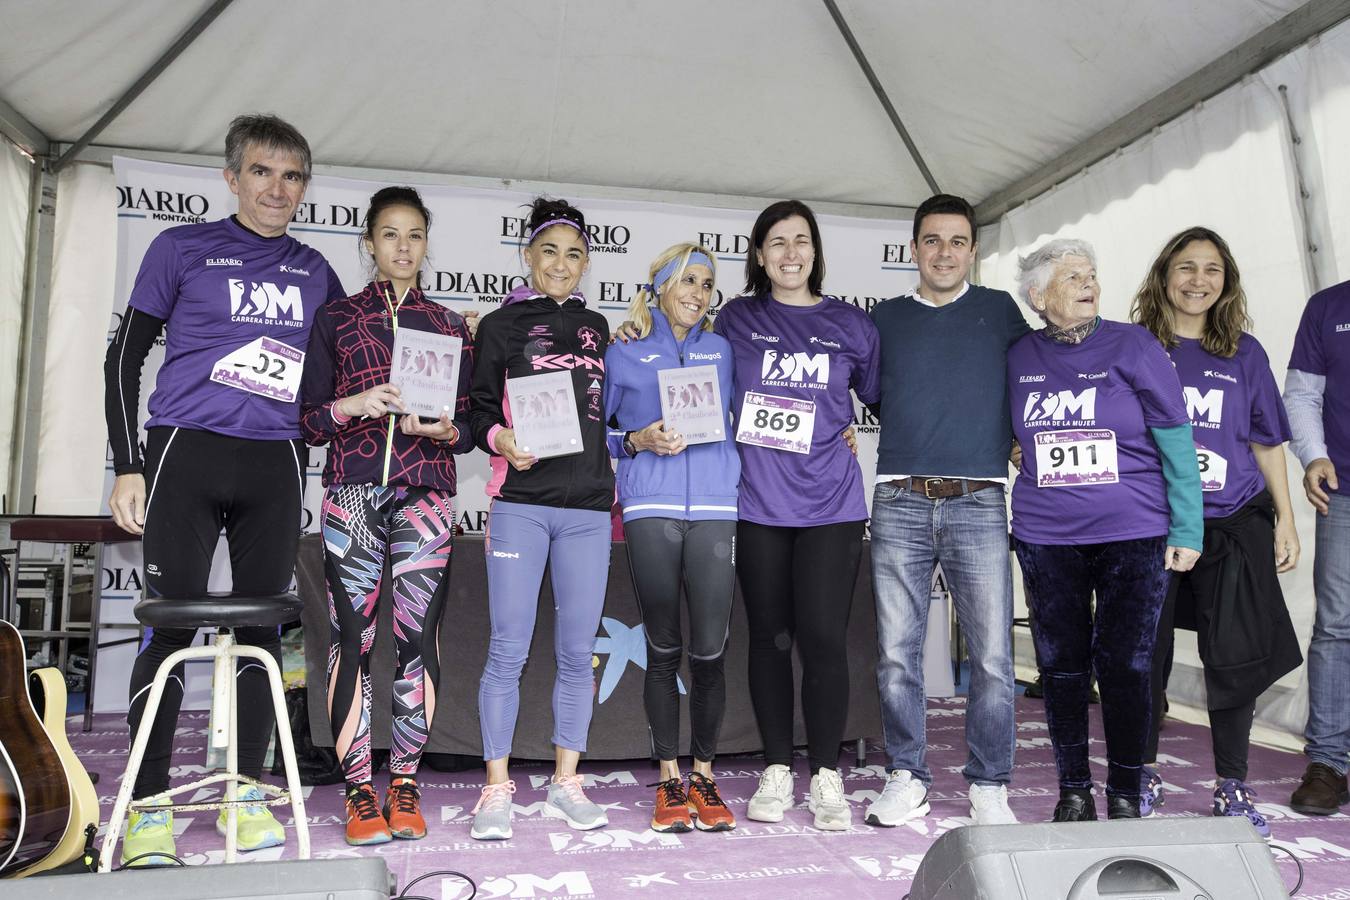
<point x="474" y="261"/>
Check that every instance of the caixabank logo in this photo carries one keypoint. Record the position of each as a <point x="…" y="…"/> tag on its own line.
<point x="160" y="205"/>
<point x="607" y="237"/>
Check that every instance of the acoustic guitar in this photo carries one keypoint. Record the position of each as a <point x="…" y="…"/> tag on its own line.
<point x="34" y="791"/>
<point x="47" y="688"/>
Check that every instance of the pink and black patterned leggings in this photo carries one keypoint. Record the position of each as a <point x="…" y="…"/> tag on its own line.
<point x="415" y="526"/>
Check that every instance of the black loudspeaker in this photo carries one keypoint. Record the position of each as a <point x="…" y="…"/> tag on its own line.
<point x="1126" y="859"/>
<point x="339" y="879"/>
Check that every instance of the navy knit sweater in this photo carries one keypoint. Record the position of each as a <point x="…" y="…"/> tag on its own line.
<point x="944" y="384"/>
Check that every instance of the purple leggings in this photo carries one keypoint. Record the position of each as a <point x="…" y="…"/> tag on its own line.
<point x="521" y="539"/>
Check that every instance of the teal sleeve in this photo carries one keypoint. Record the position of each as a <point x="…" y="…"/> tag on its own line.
<point x="1182" y="473"/>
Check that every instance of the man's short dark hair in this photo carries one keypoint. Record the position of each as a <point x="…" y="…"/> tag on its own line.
<point x="945" y="204"/>
<point x="266" y="131"/>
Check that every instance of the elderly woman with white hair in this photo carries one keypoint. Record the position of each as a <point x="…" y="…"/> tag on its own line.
<point x="1106" y="502"/>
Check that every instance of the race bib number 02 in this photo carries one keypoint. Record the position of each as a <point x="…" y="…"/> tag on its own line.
<point x="1076" y="458"/>
<point x="264" y="367"/>
<point x="1213" y="469"/>
<point x="779" y="423"/>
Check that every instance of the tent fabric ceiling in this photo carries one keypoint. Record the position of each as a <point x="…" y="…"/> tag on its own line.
<point x="752" y="98"/>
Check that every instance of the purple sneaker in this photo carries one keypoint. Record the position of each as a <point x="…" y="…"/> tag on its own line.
<point x="1233" y="798"/>
<point x="1152" y="796"/>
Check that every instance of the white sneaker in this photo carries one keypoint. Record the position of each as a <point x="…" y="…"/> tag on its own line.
<point x="827" y="801"/>
<point x="774" y="796"/>
<point x="989" y="805"/>
<point x="903" y="798"/>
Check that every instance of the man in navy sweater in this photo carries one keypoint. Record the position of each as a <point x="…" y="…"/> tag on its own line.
<point x="942" y="473"/>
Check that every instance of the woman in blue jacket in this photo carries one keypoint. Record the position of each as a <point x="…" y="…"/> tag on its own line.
<point x="679" y="514"/>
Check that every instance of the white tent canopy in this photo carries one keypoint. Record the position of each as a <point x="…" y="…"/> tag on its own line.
<point x="1089" y="110"/>
<point x="758" y="98"/>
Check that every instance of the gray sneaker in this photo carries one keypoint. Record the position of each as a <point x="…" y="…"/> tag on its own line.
<point x="774" y="796"/>
<point x="567" y="802"/>
<point x="903" y="798"/>
<point x="492" y="813"/>
<point x="827" y="801"/>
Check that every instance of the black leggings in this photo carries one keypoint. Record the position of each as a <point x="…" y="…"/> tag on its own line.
<point x="196" y="483"/>
<point x="798" y="584"/>
<point x="1230" y="730"/>
<point x="663" y="554"/>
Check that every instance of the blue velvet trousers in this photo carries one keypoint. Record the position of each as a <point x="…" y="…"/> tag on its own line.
<point x="1113" y="637"/>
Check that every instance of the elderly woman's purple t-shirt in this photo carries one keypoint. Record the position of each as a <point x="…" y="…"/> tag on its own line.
<point x="1231" y="403"/>
<point x="1081" y="413"/>
<point x="802" y="353"/>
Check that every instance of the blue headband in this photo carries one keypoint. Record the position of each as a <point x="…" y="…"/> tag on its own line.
<point x="696" y="258"/>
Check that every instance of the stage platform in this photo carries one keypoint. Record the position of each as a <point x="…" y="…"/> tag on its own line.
<point x="792" y="859"/>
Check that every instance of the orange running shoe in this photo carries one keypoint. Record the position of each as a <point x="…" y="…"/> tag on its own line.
<point x="403" y="808"/>
<point x="365" y="825"/>
<point x="672" y="809"/>
<point x="709" y="812"/>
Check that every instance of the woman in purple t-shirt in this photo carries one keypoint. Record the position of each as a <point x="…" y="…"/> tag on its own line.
<point x="1192" y="301"/>
<point x="799" y="356"/>
<point x="1107" y="499"/>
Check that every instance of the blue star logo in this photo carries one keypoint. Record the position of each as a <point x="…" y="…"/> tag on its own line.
<point x="622" y="645"/>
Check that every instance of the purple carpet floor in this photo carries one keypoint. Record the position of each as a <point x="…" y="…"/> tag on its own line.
<point x="791" y="859"/>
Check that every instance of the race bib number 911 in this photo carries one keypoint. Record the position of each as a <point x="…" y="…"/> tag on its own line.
<point x="1076" y="458"/>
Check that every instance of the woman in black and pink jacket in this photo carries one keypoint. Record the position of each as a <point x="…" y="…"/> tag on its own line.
<point x="390" y="488"/>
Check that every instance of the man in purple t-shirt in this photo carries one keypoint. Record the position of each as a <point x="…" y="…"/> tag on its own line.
<point x="1317" y="396"/>
<point x="236" y="299"/>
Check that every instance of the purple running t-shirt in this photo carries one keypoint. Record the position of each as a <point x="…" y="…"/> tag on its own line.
<point x="1232" y="403"/>
<point x="1081" y="413"/>
<point x="1322" y="347"/>
<point x="799" y="364"/>
<point x="234" y="301"/>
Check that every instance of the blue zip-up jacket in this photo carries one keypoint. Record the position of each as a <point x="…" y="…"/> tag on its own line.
<point x="699" y="483"/>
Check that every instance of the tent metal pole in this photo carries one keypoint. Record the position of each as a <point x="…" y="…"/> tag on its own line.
<point x="1310" y="248"/>
<point x="880" y="91"/>
<point x="184" y="41"/>
<point x="1256" y="52"/>
<point x="22" y="132"/>
<point x="37" y="284"/>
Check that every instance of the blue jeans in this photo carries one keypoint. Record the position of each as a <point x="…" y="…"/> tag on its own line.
<point x="1328" y="730"/>
<point x="968" y="535"/>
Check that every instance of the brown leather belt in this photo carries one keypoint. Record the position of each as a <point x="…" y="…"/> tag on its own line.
<point x="939" y="488"/>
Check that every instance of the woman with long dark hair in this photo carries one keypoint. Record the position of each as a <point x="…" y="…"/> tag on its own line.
<point x="1193" y="302"/>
